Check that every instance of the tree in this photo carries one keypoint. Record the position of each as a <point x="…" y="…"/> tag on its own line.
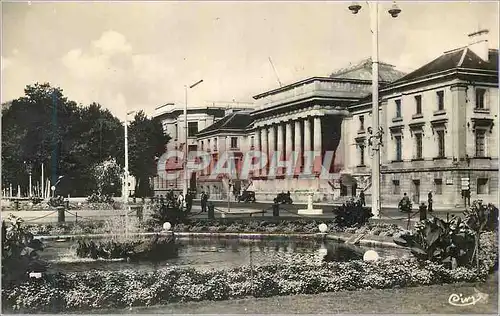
<point x="44" y="123"/>
<point x="106" y="176"/>
<point x="147" y="142"/>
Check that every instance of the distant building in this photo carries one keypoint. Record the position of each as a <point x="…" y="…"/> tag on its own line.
<point x="198" y="118"/>
<point x="233" y="133"/>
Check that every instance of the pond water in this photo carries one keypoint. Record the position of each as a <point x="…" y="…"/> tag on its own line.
<point x="220" y="253"/>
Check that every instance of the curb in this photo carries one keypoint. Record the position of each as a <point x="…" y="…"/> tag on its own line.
<point x="251" y="236"/>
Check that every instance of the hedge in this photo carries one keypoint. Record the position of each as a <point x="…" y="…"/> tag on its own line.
<point x="229" y="226"/>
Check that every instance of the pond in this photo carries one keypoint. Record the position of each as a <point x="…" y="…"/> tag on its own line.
<point x="219" y="253"/>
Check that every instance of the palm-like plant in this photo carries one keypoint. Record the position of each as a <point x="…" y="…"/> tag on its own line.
<point x="478" y="218"/>
<point x="440" y="241"/>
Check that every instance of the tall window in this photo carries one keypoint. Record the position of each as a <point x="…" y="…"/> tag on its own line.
<point x="480" y="143"/>
<point x="252" y="145"/>
<point x="234" y="142"/>
<point x="361" y="122"/>
<point x="396" y="188"/>
<point x="192" y="129"/>
<point x="440" y="100"/>
<point x="482" y="186"/>
<point x="480" y="93"/>
<point x="399" y="148"/>
<point x="202" y="147"/>
<point x="176" y="132"/>
<point x="215" y="143"/>
<point x="208" y="144"/>
<point x="440" y="137"/>
<point x="418" y="104"/>
<point x="418" y="145"/>
<point x="361" y="154"/>
<point x="438" y="186"/>
<point x="398" y="108"/>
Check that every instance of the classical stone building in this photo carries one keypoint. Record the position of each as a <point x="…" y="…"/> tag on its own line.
<point x="232" y="134"/>
<point x="198" y="118"/>
<point x="441" y="126"/>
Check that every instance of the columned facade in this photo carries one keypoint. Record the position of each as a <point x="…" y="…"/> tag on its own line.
<point x="297" y="139"/>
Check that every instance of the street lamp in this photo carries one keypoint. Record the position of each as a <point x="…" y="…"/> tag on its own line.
<point x="53" y="188"/>
<point x="126" y="191"/>
<point x="394" y="12"/>
<point x="186" y="180"/>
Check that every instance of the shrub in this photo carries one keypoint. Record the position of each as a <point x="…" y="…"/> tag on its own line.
<point x="352" y="214"/>
<point x="169" y="212"/>
<point x="439" y="241"/>
<point x="105" y="289"/>
<point x="19" y="252"/>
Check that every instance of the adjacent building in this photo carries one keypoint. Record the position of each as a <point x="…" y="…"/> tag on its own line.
<point x="440" y="129"/>
<point x="198" y="118"/>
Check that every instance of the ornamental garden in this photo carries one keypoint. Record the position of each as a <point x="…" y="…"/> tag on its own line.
<point x="170" y="256"/>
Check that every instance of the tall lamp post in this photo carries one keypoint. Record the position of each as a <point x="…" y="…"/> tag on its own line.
<point x="376" y="139"/>
<point x="126" y="190"/>
<point x="186" y="180"/>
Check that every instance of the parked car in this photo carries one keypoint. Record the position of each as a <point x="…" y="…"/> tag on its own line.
<point x="284" y="198"/>
<point x="247" y="196"/>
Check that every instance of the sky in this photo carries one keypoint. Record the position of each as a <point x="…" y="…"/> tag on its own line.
<point x="132" y="56"/>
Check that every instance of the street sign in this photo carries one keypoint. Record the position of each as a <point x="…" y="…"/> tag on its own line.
<point x="465" y="184"/>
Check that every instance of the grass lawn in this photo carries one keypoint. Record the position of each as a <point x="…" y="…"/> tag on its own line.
<point x="424" y="299"/>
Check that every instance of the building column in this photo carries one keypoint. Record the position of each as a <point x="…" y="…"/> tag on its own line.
<point x="257" y="147"/>
<point x="298" y="146"/>
<point x="307" y="163"/>
<point x="272" y="146"/>
<point x="318" y="145"/>
<point x="288" y="137"/>
<point x="281" y="145"/>
<point x="264" y="150"/>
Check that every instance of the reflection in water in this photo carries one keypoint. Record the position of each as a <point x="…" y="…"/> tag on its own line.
<point x="216" y="254"/>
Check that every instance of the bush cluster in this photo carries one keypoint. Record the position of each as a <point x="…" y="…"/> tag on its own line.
<point x="104" y="289"/>
<point x="352" y="214"/>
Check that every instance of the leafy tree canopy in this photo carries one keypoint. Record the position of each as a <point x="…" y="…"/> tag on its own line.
<point x="44" y="123"/>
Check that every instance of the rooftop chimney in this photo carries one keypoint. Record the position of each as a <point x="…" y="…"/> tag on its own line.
<point x="478" y="43"/>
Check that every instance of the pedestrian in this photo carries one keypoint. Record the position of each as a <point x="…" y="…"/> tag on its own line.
<point x="362" y="198"/>
<point x="204" y="199"/>
<point x="180" y="200"/>
<point x="429" y="202"/>
<point x="189" y="201"/>
<point x="405" y="204"/>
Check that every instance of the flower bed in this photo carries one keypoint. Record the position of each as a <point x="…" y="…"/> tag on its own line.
<point x="103" y="289"/>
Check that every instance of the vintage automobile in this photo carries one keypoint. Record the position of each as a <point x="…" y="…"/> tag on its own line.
<point x="247" y="196"/>
<point x="284" y="198"/>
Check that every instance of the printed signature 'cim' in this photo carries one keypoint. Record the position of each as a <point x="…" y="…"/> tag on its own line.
<point x="460" y="300"/>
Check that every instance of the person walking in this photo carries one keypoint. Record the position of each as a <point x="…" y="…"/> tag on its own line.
<point x="362" y="198"/>
<point x="180" y="200"/>
<point x="429" y="202"/>
<point x="189" y="201"/>
<point x="204" y="200"/>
